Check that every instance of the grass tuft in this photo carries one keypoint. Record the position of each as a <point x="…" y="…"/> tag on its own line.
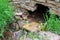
<point x="6" y="14"/>
<point x="53" y="23"/>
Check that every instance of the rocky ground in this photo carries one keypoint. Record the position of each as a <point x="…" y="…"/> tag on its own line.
<point x="27" y="27"/>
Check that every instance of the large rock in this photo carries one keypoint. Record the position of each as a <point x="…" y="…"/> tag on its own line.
<point x="30" y="4"/>
<point x="48" y="36"/>
<point x="32" y="26"/>
<point x="42" y="36"/>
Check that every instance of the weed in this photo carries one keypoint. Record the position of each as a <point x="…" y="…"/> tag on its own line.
<point x="53" y="24"/>
<point x="6" y="14"/>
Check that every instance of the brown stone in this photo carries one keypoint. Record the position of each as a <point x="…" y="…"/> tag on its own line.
<point x="17" y="27"/>
<point x="33" y="26"/>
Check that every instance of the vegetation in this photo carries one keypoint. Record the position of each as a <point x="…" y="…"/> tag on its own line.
<point x="31" y="35"/>
<point x="6" y="15"/>
<point x="53" y="23"/>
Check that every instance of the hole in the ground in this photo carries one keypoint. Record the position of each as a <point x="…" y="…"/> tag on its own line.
<point x="40" y="12"/>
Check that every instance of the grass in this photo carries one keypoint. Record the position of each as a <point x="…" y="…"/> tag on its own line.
<point x="53" y="23"/>
<point x="6" y="14"/>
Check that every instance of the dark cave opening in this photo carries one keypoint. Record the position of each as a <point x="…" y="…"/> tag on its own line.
<point x="40" y="12"/>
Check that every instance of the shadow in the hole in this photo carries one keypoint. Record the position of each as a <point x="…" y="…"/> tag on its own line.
<point x="40" y="12"/>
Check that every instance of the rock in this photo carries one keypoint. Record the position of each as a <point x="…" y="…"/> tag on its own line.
<point x="57" y="0"/>
<point x="17" y="17"/>
<point x="30" y="4"/>
<point x="17" y="27"/>
<point x="32" y="26"/>
<point x="28" y="7"/>
<point x="16" y="0"/>
<point x="21" y="23"/>
<point x="17" y="34"/>
<point x="48" y="36"/>
<point x="20" y="13"/>
<point x="42" y="36"/>
<point x="59" y="9"/>
<point x="25" y="0"/>
<point x="41" y="1"/>
<point x="26" y="38"/>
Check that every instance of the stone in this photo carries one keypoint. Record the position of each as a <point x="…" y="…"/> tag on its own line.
<point x="51" y="2"/>
<point x="18" y="13"/>
<point x="15" y="0"/>
<point x="17" y="27"/>
<point x="27" y="38"/>
<point x="57" y="0"/>
<point x="21" y="23"/>
<point x="33" y="26"/>
<point x="25" y="0"/>
<point x="42" y="36"/>
<point x="59" y="10"/>
<point x="48" y="36"/>
<point x="28" y="7"/>
<point x="30" y="4"/>
<point x="17" y="35"/>
<point x="17" y="17"/>
<point x="41" y="0"/>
